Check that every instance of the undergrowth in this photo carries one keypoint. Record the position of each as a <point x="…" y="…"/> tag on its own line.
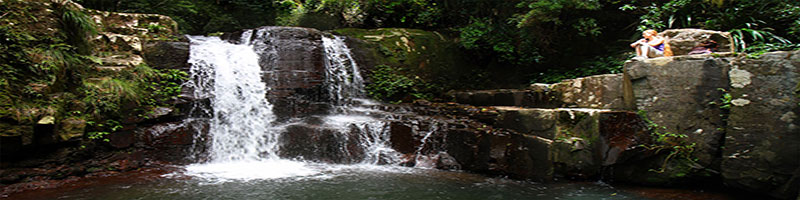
<point x="51" y="73"/>
<point x="391" y="84"/>
<point x="674" y="144"/>
<point x="600" y="65"/>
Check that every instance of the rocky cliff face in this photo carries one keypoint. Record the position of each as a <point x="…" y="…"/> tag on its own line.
<point x="57" y="144"/>
<point x="762" y="137"/>
<point x="739" y="111"/>
<point x="734" y="116"/>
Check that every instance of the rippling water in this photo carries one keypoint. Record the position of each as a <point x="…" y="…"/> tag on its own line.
<point x="347" y="182"/>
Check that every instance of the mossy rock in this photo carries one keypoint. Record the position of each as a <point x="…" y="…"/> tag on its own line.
<point x="580" y="124"/>
<point x="16" y="135"/>
<point x="431" y="55"/>
<point x="72" y="127"/>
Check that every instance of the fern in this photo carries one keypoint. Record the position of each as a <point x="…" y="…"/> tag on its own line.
<point x="76" y="26"/>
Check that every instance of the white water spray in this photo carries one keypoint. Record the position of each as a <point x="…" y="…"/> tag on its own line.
<point x="243" y="142"/>
<point x="346" y="86"/>
<point x="244" y="136"/>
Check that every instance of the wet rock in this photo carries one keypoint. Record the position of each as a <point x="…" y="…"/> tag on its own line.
<point x="762" y="144"/>
<point x="293" y="63"/>
<point x="121" y="139"/>
<point x="167" y="55"/>
<point x="529" y="158"/>
<point x="599" y="91"/>
<point x="402" y="138"/>
<point x="681" y="41"/>
<point x="532" y="121"/>
<point x="177" y="142"/>
<point x="621" y="133"/>
<point x="321" y="144"/>
<point x="446" y="162"/>
<point x="464" y="146"/>
<point x="573" y="157"/>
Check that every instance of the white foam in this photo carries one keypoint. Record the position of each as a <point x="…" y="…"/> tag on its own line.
<point x="250" y="170"/>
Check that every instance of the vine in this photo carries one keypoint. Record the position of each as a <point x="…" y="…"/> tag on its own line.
<point x="663" y="140"/>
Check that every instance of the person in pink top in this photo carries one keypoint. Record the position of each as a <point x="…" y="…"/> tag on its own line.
<point x="650" y="46"/>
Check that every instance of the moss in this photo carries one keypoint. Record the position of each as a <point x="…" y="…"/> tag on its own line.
<point x="430" y="55"/>
<point x="37" y="60"/>
<point x="583" y="125"/>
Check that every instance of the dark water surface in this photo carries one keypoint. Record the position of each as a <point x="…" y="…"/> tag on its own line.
<point x="349" y="183"/>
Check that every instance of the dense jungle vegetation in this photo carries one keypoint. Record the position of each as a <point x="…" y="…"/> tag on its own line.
<point x="525" y="35"/>
<point x="515" y="42"/>
<point x="50" y="74"/>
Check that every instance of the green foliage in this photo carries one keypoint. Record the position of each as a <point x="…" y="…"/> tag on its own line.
<point x="724" y="101"/>
<point x="487" y="40"/>
<point x="331" y="14"/>
<point x="549" y="11"/>
<point x="740" y="38"/>
<point x="674" y="143"/>
<point x="392" y="85"/>
<point x="102" y="129"/>
<point x="76" y="26"/>
<point x="161" y="85"/>
<point x="44" y="71"/>
<point x="601" y="65"/>
<point x="757" y="18"/>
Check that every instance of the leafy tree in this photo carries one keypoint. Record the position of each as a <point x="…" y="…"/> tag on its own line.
<point x="760" y="22"/>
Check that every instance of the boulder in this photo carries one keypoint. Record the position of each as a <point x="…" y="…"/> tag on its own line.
<point x="13" y="138"/>
<point x="681" y="41"/>
<point x="529" y="121"/>
<point x="762" y="144"/>
<point x="44" y="129"/>
<point x="317" y="143"/>
<point x="292" y="60"/>
<point x="582" y="140"/>
<point x="529" y="157"/>
<point x="175" y="142"/>
<point x="676" y="93"/>
<point x="167" y="55"/>
<point x="599" y="91"/>
<point x="70" y="128"/>
<point x="402" y="138"/>
<point x="135" y="23"/>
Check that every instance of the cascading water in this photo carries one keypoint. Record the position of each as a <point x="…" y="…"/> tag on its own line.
<point x="343" y="78"/>
<point x="244" y="135"/>
<point x="240" y="130"/>
<point x="346" y="88"/>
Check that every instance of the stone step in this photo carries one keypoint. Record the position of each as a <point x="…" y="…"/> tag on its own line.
<point x="600" y="92"/>
<point x="581" y="140"/>
<point x="122" y="60"/>
<point x="111" y="68"/>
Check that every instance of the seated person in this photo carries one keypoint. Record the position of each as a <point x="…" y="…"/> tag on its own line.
<point x="650" y="46"/>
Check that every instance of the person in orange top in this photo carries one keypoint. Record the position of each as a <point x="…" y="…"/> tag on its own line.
<point x="650" y="46"/>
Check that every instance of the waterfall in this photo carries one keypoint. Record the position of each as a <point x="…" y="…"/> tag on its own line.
<point x="346" y="88"/>
<point x="244" y="135"/>
<point x="243" y="141"/>
<point x="343" y="78"/>
<point x="241" y="114"/>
